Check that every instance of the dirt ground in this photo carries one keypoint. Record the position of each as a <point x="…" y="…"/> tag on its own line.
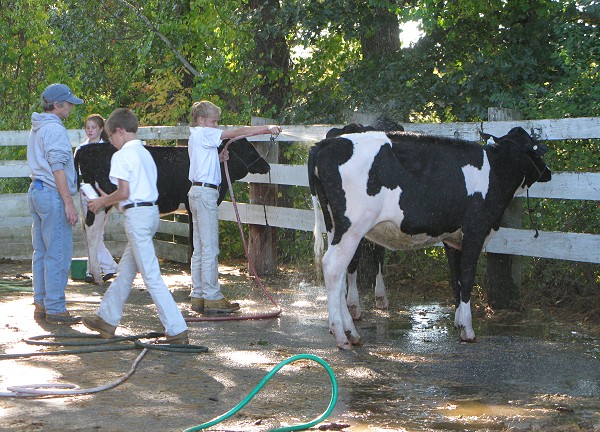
<point x="528" y="372"/>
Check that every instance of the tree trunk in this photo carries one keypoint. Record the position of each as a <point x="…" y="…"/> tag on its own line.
<point x="381" y="34"/>
<point x="272" y="56"/>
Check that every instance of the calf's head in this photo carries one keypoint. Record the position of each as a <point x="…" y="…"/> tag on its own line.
<point x="243" y="159"/>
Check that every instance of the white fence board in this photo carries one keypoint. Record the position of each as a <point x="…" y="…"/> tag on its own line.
<point x="564" y="185"/>
<point x="15" y="222"/>
<point x="172" y="251"/>
<point x="555" y="245"/>
<point x="547" y="129"/>
<point x="280" y="217"/>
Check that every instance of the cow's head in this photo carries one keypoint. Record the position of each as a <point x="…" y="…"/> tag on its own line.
<point x="536" y="169"/>
<point x="243" y="159"/>
<point x="381" y="123"/>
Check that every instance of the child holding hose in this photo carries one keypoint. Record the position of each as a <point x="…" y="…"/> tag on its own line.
<point x="205" y="175"/>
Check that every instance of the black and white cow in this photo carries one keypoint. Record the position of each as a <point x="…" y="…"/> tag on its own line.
<point x="405" y="191"/>
<point x="384" y="124"/>
<point x="172" y="163"/>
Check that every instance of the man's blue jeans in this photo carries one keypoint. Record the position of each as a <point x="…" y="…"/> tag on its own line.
<point x="52" y="238"/>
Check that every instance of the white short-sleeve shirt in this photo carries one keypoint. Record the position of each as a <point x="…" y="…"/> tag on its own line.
<point x="204" y="155"/>
<point x="134" y="164"/>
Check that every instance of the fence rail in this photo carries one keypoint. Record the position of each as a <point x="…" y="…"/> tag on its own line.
<point x="15" y="222"/>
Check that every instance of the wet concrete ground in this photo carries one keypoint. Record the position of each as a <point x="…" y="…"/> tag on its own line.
<point x="411" y="374"/>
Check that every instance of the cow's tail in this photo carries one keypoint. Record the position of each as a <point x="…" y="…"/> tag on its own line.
<point x="314" y="184"/>
<point x="318" y="233"/>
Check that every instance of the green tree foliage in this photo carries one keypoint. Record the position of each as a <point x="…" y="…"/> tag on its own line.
<point x="310" y="61"/>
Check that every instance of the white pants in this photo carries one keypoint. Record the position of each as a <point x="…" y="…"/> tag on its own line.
<point x="205" y="266"/>
<point x="140" y="225"/>
<point x="94" y="236"/>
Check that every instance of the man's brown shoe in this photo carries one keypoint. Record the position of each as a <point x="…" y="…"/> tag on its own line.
<point x="62" y="318"/>
<point x="97" y="324"/>
<point x="198" y="304"/>
<point x="39" y="313"/>
<point x="220" y="306"/>
<point x="179" y="339"/>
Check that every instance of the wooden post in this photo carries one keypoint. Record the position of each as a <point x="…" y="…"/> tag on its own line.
<point x="503" y="274"/>
<point x="261" y="239"/>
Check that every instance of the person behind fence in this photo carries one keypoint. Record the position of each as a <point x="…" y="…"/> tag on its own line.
<point x="50" y="200"/>
<point x="205" y="175"/>
<point x="94" y="130"/>
<point x="133" y="171"/>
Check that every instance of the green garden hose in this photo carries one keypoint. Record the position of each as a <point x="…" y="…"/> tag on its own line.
<point x="12" y="285"/>
<point x="303" y="426"/>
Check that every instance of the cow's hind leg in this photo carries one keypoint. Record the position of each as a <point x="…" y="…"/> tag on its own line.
<point x="335" y="263"/>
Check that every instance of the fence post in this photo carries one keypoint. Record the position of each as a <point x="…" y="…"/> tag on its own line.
<point x="503" y="275"/>
<point x="261" y="239"/>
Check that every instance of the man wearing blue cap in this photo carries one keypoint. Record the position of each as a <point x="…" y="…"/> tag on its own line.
<point x="54" y="182"/>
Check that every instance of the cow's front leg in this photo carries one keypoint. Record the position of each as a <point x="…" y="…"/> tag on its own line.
<point x="352" y="299"/>
<point x="381" y="300"/>
<point x="465" y="272"/>
<point x="463" y="321"/>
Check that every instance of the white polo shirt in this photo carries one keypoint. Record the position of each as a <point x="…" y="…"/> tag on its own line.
<point x="134" y="164"/>
<point x="204" y="155"/>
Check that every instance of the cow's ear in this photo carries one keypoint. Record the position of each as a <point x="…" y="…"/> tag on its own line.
<point x="537" y="148"/>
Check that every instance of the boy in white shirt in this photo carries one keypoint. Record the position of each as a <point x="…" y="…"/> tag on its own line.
<point x="134" y="172"/>
<point x="205" y="175"/>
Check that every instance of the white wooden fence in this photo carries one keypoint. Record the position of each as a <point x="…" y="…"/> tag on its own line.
<point x="15" y="222"/>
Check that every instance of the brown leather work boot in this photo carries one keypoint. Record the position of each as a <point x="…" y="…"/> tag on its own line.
<point x="198" y="304"/>
<point x="39" y="313"/>
<point x="220" y="306"/>
<point x="97" y="324"/>
<point x="178" y="339"/>
<point x="62" y="318"/>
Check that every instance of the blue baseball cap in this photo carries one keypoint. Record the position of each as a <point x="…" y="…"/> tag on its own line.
<point x="60" y="93"/>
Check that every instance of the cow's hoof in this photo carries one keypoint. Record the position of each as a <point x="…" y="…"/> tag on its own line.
<point x="355" y="340"/>
<point x="467" y="334"/>
<point x="463" y="338"/>
<point x="354" y="311"/>
<point x="381" y="303"/>
<point x="344" y="346"/>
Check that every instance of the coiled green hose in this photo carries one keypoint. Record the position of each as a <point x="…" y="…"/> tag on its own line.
<point x="303" y="426"/>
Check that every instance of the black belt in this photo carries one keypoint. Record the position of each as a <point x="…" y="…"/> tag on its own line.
<point x="210" y="185"/>
<point x="138" y="204"/>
